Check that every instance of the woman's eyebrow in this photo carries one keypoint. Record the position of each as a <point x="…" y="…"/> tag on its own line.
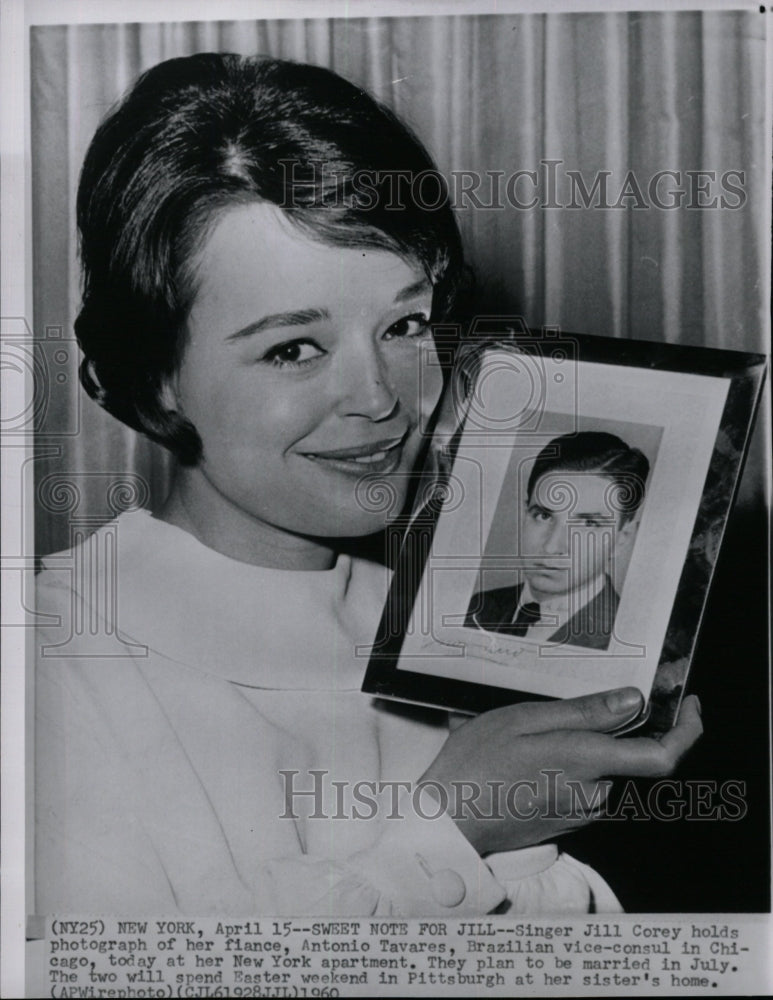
<point x="300" y="317"/>
<point x="416" y="288"/>
<point x="303" y="317"/>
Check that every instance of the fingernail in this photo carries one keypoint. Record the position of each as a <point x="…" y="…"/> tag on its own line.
<point x="625" y="700"/>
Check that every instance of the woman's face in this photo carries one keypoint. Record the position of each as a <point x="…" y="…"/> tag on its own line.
<point x="307" y="367"/>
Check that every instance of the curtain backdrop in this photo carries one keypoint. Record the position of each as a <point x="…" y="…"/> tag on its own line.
<point x="617" y="97"/>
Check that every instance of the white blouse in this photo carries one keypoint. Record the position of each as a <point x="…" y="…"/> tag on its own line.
<point x="186" y="701"/>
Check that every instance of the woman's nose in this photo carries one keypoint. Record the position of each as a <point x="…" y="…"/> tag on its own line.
<point x="367" y="389"/>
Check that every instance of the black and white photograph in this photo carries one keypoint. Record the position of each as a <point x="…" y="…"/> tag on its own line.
<point x="568" y="527"/>
<point x="571" y="515"/>
<point x="386" y="487"/>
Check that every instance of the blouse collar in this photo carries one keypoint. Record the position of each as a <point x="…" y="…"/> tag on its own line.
<point x="268" y="628"/>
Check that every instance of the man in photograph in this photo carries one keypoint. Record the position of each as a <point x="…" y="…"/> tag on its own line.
<point x="582" y="497"/>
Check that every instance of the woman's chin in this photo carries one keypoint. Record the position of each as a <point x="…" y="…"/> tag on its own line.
<point x="376" y="507"/>
<point x="363" y="526"/>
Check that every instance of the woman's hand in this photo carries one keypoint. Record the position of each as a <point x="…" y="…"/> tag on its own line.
<point x="526" y="773"/>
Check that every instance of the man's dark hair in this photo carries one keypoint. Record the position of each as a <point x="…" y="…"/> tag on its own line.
<point x="197" y="135"/>
<point x="597" y="453"/>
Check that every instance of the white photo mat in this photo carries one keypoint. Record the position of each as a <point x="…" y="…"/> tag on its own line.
<point x="688" y="407"/>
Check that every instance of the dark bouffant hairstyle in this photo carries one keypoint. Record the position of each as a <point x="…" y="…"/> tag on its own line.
<point x="602" y="454"/>
<point x="197" y="135"/>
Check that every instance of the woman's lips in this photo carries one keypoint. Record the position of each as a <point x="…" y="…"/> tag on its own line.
<point x="380" y="457"/>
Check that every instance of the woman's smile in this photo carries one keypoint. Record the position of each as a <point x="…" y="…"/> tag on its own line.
<point x="378" y="457"/>
<point x="306" y="368"/>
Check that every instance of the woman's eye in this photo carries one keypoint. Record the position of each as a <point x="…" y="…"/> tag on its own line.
<point x="296" y="352"/>
<point x="408" y="326"/>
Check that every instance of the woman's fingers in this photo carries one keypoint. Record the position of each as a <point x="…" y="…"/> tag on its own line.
<point x="590" y="753"/>
<point x="548" y="759"/>
<point x="688" y="728"/>
<point x="599" y="712"/>
<point x="650" y="758"/>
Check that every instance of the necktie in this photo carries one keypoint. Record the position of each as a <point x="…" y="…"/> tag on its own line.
<point x="528" y="614"/>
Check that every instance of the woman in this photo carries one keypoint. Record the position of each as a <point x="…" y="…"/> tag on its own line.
<point x="258" y="297"/>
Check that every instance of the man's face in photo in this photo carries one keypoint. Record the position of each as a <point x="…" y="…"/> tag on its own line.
<point x="569" y="531"/>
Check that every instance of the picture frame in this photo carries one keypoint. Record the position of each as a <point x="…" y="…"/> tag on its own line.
<point x="518" y="453"/>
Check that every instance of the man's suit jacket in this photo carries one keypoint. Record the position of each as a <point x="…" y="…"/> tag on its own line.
<point x="591" y="625"/>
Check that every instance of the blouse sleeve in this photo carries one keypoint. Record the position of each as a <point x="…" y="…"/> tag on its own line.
<point x="417" y="868"/>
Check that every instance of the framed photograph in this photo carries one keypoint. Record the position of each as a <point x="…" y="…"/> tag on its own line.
<point x="566" y="542"/>
<point x="608" y="171"/>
